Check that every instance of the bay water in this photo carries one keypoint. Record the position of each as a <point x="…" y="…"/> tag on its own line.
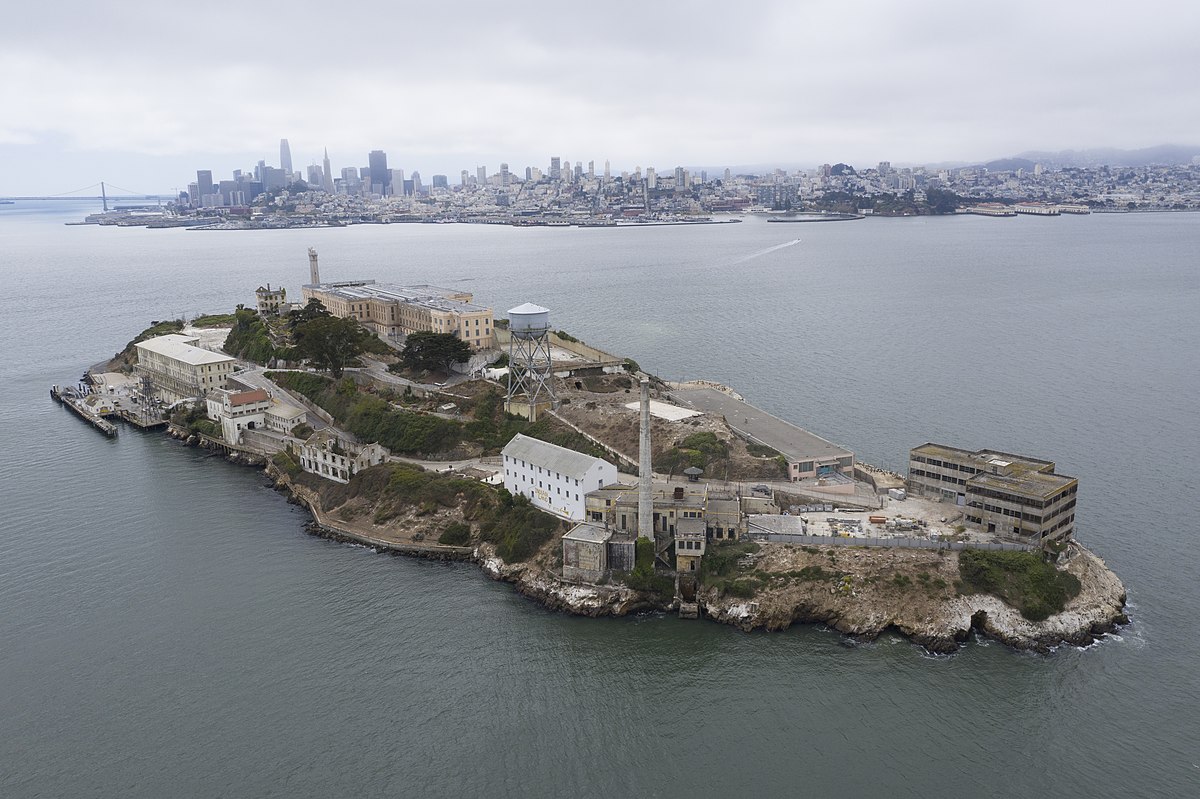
<point x="167" y="628"/>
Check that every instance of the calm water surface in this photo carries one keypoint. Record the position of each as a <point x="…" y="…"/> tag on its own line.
<point x="167" y="628"/>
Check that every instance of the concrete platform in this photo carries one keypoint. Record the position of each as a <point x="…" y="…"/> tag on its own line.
<point x="794" y="442"/>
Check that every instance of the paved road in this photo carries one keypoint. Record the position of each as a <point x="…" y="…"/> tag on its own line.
<point x="255" y="377"/>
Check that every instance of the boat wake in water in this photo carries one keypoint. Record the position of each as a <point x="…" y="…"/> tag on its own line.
<point x="758" y="253"/>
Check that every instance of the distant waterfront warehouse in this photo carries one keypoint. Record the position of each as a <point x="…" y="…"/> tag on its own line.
<point x="392" y="310"/>
<point x="1000" y="492"/>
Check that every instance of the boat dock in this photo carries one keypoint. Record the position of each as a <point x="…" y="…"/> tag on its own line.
<point x="73" y="400"/>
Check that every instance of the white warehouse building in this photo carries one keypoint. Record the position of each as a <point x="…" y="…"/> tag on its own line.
<point x="554" y="478"/>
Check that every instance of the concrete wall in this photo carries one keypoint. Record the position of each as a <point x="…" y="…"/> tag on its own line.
<point x="503" y="337"/>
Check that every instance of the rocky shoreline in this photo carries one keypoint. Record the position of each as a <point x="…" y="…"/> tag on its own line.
<point x="941" y="624"/>
<point x="942" y="629"/>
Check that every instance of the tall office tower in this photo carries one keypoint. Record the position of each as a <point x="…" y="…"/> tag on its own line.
<point x="504" y="176"/>
<point x="258" y="168"/>
<point x="578" y="171"/>
<point x="591" y="169"/>
<point x="651" y="178"/>
<point x="528" y="173"/>
<point x="285" y="159"/>
<point x="481" y="175"/>
<point x="607" y="170"/>
<point x="381" y="179"/>
<point x="704" y="176"/>
<point x="416" y="179"/>
<point x="328" y="172"/>
<point x="441" y="182"/>
<point x="555" y="168"/>
<point x="315" y="178"/>
<point x="637" y="172"/>
<point x="205" y="185"/>
<point x="728" y="175"/>
<point x="466" y="176"/>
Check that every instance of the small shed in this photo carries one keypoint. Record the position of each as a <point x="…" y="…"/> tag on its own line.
<point x="585" y="552"/>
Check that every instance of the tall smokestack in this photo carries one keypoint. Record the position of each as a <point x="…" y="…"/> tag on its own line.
<point x="314" y="274"/>
<point x="645" y="487"/>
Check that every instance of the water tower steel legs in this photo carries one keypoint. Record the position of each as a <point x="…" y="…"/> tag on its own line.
<point x="529" y="366"/>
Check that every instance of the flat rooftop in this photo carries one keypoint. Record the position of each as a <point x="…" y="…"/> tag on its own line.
<point x="441" y="299"/>
<point x="181" y="348"/>
<point x="796" y="443"/>
<point x="1038" y="484"/>
<point x="693" y="495"/>
<point x="1003" y="462"/>
<point x="588" y="532"/>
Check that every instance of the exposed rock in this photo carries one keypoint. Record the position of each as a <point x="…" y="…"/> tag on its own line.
<point x="938" y="623"/>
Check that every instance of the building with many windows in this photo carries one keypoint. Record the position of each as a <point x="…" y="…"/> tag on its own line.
<point x="338" y="459"/>
<point x="179" y="368"/>
<point x="999" y="492"/>
<point x="391" y="310"/>
<point x="554" y="478"/>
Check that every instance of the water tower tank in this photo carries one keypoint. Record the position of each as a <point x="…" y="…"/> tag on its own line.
<point x="528" y="321"/>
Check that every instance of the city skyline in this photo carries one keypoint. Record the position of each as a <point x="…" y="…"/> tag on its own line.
<point x="142" y="95"/>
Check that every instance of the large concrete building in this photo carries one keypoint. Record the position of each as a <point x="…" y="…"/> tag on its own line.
<point x="179" y="368"/>
<point x="554" y="478"/>
<point x="998" y="491"/>
<point x="391" y="310"/>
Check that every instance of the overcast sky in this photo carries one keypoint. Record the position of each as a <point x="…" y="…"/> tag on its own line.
<point x="141" y="94"/>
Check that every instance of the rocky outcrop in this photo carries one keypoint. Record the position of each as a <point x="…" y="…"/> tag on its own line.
<point x="548" y="589"/>
<point x="941" y="623"/>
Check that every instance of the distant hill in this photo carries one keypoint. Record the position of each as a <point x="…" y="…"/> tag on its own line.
<point x="1009" y="165"/>
<point x="1163" y="154"/>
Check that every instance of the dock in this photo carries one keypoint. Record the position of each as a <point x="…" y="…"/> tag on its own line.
<point x="70" y="398"/>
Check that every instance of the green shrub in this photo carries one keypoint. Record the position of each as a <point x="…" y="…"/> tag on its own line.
<point x="456" y="534"/>
<point x="1021" y="579"/>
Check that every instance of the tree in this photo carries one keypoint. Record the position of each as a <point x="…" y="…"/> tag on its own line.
<point x="315" y="309"/>
<point x="431" y="351"/>
<point x="331" y="343"/>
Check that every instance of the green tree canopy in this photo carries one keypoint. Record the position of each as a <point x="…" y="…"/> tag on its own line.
<point x="315" y="309"/>
<point x="432" y="351"/>
<point x="331" y="343"/>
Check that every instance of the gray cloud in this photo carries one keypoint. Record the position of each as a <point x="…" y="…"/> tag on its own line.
<point x="130" y="90"/>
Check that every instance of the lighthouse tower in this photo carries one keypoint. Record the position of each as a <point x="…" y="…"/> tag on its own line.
<point x="314" y="274"/>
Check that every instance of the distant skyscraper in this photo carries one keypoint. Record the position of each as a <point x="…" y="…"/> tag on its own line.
<point x="651" y="178"/>
<point x="528" y="173"/>
<point x="328" y="173"/>
<point x="381" y="179"/>
<point x="591" y="169"/>
<point x="505" y="178"/>
<point x="285" y="159"/>
<point x="441" y="182"/>
<point x="481" y="175"/>
<point x="465" y="176"/>
<point x="607" y="170"/>
<point x="315" y="178"/>
<point x="204" y="185"/>
<point x="555" y="168"/>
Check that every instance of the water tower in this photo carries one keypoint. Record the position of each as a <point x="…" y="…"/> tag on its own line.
<point x="529" y="388"/>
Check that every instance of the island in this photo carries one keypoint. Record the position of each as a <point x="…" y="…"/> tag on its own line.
<point x="410" y="420"/>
